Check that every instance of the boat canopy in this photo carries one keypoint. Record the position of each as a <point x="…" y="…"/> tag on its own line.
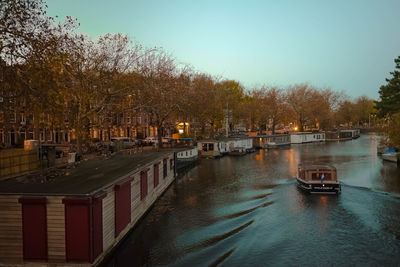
<point x="317" y="172"/>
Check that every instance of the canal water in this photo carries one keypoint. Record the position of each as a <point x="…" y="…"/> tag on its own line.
<point x="247" y="211"/>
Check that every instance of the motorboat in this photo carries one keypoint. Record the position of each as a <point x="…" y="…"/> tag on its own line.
<point x="318" y="178"/>
<point x="391" y="156"/>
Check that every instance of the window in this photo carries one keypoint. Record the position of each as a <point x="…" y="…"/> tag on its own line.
<point x="13" y="117"/>
<point x="318" y="176"/>
<point x="328" y="176"/>
<point x="23" y="119"/>
<point x="211" y="147"/>
<point x="204" y="147"/>
<point x="315" y="176"/>
<point x="301" y="174"/>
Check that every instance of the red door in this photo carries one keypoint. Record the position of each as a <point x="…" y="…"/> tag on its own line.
<point x="165" y="168"/>
<point x="77" y="229"/>
<point x="156" y="174"/>
<point x="143" y="184"/>
<point x="97" y="213"/>
<point x="34" y="228"/>
<point x="122" y="205"/>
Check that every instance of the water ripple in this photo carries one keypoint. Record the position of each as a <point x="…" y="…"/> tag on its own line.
<point x="244" y="212"/>
<point x="222" y="258"/>
<point x="214" y="240"/>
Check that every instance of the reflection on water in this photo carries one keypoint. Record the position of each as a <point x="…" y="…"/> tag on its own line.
<point x="248" y="211"/>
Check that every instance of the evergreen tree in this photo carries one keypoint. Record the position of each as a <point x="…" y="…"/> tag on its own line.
<point x="390" y="93"/>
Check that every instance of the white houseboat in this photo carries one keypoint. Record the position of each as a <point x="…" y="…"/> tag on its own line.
<point x="210" y="148"/>
<point x="79" y="218"/>
<point x="319" y="178"/>
<point x="337" y="136"/>
<point x="240" y="146"/>
<point x="186" y="156"/>
<point x="306" y="137"/>
<point x="271" y="141"/>
<point x="391" y="155"/>
<point x="354" y="133"/>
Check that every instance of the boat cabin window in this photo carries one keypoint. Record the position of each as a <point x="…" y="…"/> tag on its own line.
<point x="204" y="147"/>
<point x="211" y="147"/>
<point x="301" y="174"/>
<point x="317" y="176"/>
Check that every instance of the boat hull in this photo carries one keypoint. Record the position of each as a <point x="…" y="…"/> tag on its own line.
<point x="319" y="188"/>
<point x="392" y="156"/>
<point x="276" y="145"/>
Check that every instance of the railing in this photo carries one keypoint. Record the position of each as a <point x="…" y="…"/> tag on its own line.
<point x="18" y="161"/>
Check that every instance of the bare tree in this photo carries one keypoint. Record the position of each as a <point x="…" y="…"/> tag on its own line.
<point x="300" y="99"/>
<point x="163" y="86"/>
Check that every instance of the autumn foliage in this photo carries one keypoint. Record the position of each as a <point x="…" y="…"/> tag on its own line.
<point x="62" y="80"/>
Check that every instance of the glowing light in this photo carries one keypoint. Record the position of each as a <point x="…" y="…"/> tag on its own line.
<point x="296" y="128"/>
<point x="180" y="131"/>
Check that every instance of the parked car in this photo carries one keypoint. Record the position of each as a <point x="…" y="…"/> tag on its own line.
<point x="166" y="140"/>
<point x="149" y="140"/>
<point x="126" y="141"/>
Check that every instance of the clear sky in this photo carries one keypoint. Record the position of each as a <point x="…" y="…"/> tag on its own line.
<point x="346" y="45"/>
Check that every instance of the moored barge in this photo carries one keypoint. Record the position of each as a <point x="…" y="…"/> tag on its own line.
<point x="318" y="178"/>
<point x="78" y="218"/>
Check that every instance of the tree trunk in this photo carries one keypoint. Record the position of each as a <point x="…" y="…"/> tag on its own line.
<point x="159" y="136"/>
<point x="301" y="124"/>
<point x="36" y="126"/>
<point x="273" y="126"/>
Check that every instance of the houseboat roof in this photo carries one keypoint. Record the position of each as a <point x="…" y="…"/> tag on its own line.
<point x="208" y="141"/>
<point x="270" y="135"/>
<point x="89" y="177"/>
<point x="348" y="130"/>
<point x="322" y="166"/>
<point x="301" y="133"/>
<point x="224" y="139"/>
<point x="180" y="148"/>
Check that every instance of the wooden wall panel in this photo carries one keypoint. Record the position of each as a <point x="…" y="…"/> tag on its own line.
<point x="11" y="244"/>
<point x="135" y="194"/>
<point x="108" y="219"/>
<point x="55" y="229"/>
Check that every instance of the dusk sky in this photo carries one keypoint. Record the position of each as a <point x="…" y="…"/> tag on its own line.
<point x="345" y="45"/>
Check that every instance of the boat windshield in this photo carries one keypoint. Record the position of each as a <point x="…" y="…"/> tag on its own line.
<point x="319" y="175"/>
